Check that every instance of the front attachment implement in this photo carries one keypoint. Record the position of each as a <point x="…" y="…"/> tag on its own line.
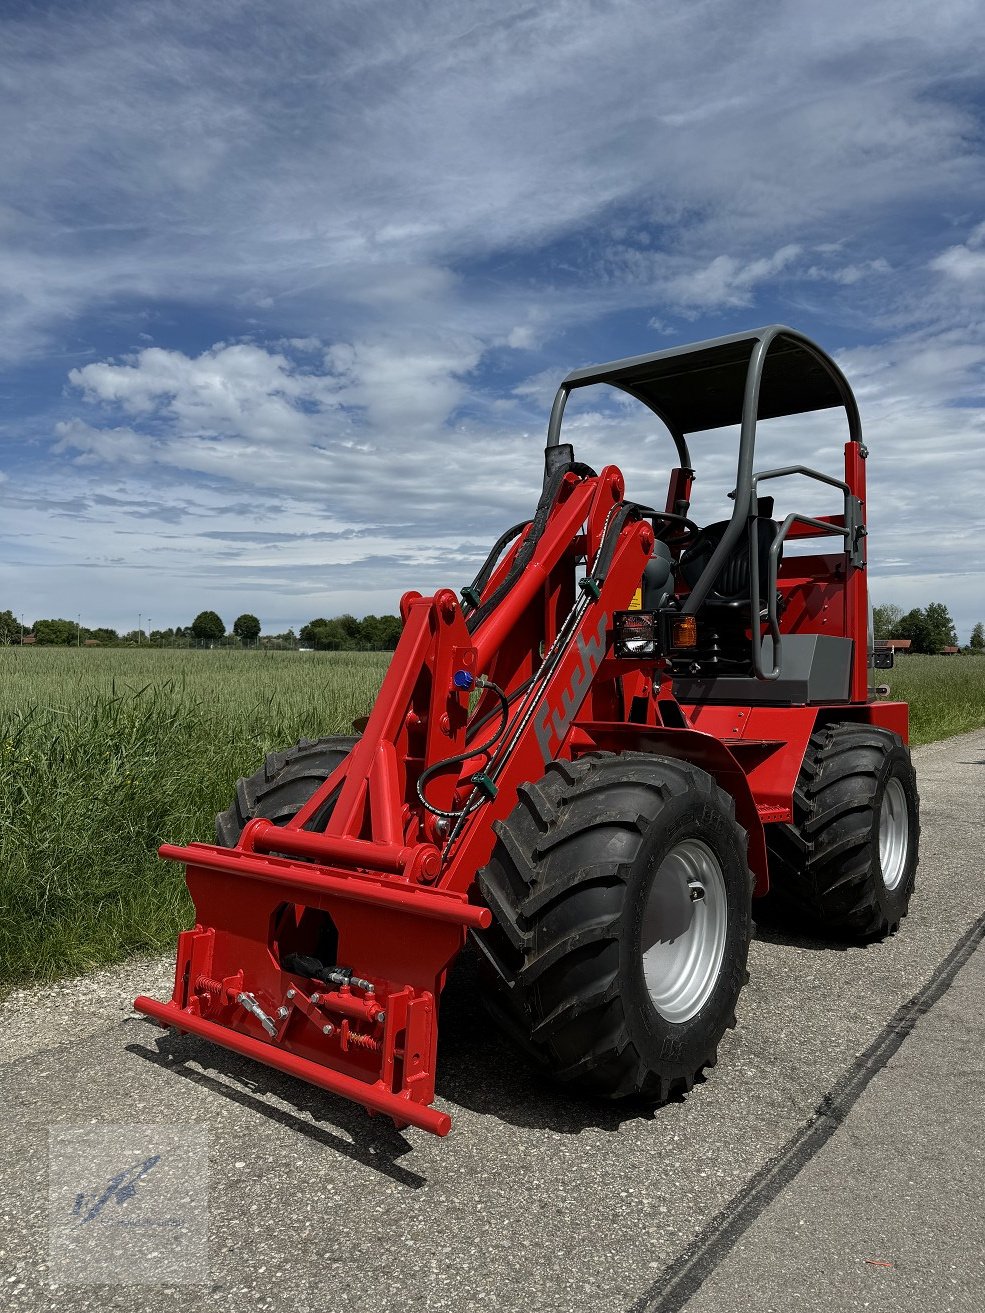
<point x="320" y="947"/>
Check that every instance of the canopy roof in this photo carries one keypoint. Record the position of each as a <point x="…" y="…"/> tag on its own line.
<point x="702" y="386"/>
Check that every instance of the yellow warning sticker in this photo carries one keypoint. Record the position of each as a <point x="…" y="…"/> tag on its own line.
<point x="637" y="603"/>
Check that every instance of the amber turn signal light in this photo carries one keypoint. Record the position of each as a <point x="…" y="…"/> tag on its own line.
<point x="684" y="632"/>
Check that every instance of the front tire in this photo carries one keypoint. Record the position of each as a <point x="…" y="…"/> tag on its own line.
<point x="620" y="892"/>
<point x="846" y="865"/>
<point x="282" y="785"/>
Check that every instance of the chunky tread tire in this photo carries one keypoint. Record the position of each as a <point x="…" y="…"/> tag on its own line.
<point x="282" y="785"/>
<point x="567" y="884"/>
<point x="825" y="870"/>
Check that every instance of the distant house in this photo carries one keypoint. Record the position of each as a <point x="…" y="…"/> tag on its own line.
<point x="950" y="651"/>
<point x="28" y="640"/>
<point x="92" y="642"/>
<point x="897" y="644"/>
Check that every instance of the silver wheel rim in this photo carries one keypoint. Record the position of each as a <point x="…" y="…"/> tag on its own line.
<point x="894" y="834"/>
<point x="684" y="926"/>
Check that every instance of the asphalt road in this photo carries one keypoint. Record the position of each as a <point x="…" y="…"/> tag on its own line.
<point x="832" y="1160"/>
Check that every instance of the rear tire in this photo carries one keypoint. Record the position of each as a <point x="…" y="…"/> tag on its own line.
<point x="282" y="785"/>
<point x="603" y="962"/>
<point x="846" y="865"/>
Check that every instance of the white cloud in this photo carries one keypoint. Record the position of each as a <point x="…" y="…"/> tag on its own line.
<point x="364" y="433"/>
<point x="404" y="386"/>
<point x="237" y="389"/>
<point x="262" y="398"/>
<point x="966" y="262"/>
<point x="930" y="369"/>
<point x="539" y="389"/>
<point x="123" y="447"/>
<point x="522" y="337"/>
<point x="726" y="281"/>
<point x="847" y="275"/>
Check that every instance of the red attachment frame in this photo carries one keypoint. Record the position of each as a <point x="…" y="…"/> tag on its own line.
<point x="387" y="882"/>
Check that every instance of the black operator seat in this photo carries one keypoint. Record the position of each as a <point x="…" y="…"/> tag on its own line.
<point x="658" y="577"/>
<point x="732" y="589"/>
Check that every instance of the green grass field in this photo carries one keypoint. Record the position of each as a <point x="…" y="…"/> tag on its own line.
<point x="104" y="754"/>
<point x="946" y="694"/>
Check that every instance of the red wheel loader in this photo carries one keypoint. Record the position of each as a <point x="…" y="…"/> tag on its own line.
<point x="627" y="728"/>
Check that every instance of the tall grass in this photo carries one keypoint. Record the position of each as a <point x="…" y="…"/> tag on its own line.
<point x="104" y="754"/>
<point x="946" y="694"/>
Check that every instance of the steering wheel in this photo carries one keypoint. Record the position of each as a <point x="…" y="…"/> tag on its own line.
<point x="676" y="531"/>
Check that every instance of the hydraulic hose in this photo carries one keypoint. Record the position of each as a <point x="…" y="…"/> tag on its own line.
<point x="472" y="594"/>
<point x="483" y="750"/>
<point x="552" y="486"/>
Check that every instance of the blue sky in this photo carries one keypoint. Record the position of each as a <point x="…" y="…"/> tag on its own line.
<point x="286" y="290"/>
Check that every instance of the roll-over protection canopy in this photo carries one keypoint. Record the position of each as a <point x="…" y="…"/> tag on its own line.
<point x="706" y="385"/>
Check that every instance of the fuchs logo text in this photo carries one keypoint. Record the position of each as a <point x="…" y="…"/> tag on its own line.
<point x="551" y="726"/>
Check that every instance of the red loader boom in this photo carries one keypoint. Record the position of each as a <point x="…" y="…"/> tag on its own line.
<point x="627" y="728"/>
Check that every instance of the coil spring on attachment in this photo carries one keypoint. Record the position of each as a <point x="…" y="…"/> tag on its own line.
<point x="358" y="1041"/>
<point x="212" y="989"/>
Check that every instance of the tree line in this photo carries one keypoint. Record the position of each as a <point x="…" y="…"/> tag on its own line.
<point x="930" y="629"/>
<point x="208" y="629"/>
